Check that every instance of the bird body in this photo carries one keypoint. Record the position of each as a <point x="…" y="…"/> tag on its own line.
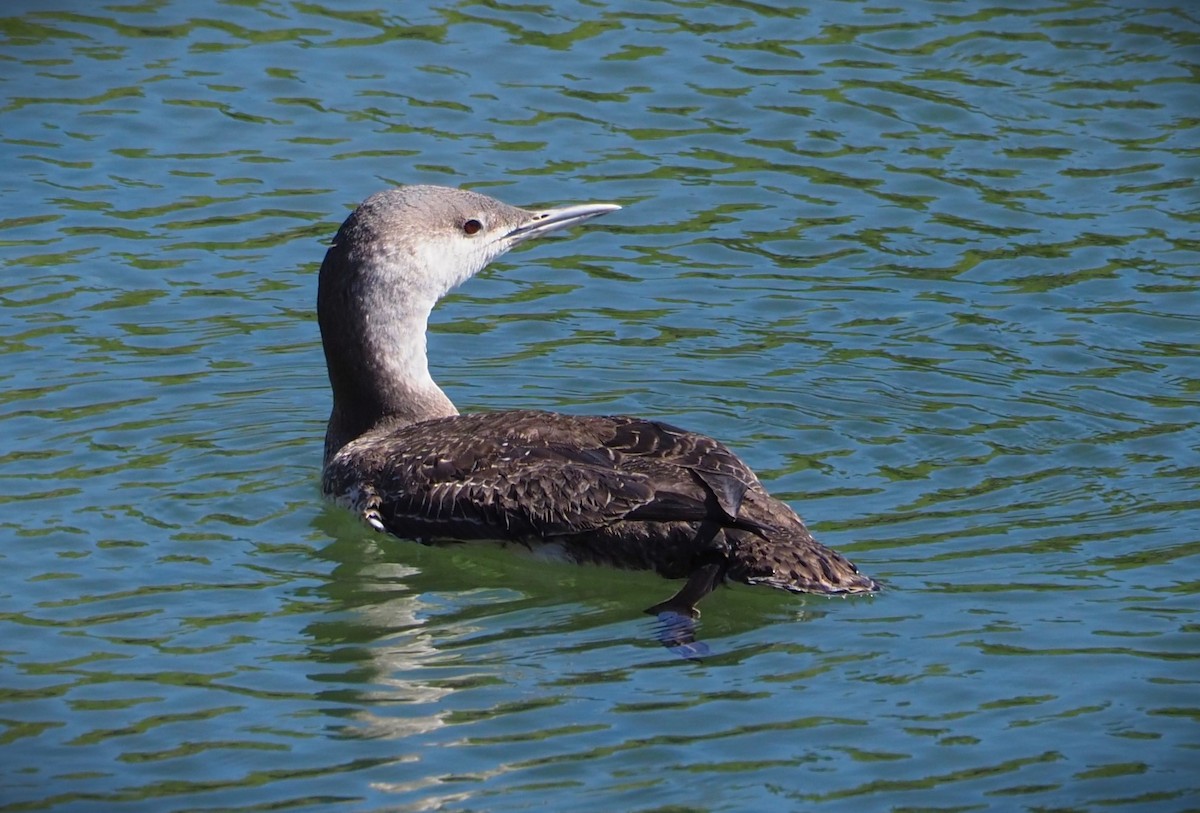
<point x="615" y="490"/>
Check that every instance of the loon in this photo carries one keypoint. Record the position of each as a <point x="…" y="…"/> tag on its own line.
<point x="622" y="491"/>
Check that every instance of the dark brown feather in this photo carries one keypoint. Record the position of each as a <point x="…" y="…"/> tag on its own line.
<point x="616" y="490"/>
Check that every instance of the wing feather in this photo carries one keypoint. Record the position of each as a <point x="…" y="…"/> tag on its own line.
<point x="522" y="474"/>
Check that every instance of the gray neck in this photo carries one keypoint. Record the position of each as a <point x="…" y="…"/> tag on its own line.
<point x="373" y="329"/>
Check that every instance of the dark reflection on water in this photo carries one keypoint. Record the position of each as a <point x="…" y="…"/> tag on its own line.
<point x="931" y="268"/>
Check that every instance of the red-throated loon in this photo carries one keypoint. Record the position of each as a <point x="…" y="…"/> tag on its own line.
<point x="622" y="491"/>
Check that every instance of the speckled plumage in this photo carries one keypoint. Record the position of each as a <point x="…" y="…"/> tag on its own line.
<point x="610" y="490"/>
<point x="613" y="490"/>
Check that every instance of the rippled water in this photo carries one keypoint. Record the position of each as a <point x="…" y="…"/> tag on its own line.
<point x="932" y="268"/>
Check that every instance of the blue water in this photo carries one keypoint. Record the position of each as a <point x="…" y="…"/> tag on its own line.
<point x="932" y="269"/>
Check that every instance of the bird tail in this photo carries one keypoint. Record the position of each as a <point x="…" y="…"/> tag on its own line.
<point x="790" y="559"/>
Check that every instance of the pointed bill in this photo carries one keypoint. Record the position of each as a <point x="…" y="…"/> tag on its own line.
<point x="564" y="217"/>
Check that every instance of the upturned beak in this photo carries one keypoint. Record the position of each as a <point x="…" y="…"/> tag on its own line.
<point x="549" y="220"/>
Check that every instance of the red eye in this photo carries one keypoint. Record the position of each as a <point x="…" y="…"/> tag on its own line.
<point x="472" y="227"/>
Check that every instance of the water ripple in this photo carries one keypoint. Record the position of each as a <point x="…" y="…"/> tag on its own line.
<point x="930" y="269"/>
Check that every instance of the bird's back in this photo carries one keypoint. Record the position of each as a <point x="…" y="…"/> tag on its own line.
<point x="615" y="490"/>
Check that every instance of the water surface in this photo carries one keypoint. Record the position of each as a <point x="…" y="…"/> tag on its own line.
<point x="932" y="269"/>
